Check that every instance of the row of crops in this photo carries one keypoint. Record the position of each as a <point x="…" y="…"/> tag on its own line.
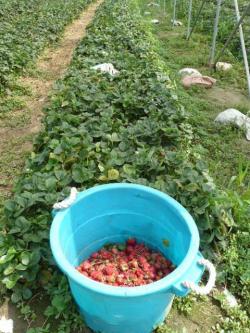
<point x="99" y="129"/>
<point x="27" y="26"/>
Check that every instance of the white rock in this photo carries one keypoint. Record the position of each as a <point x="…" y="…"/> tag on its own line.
<point x="223" y="66"/>
<point x="231" y="300"/>
<point x="177" y="23"/>
<point x="189" y="72"/>
<point x="155" y="21"/>
<point x="153" y="4"/>
<point x="6" y="325"/>
<point x="233" y="116"/>
<point x="106" y="68"/>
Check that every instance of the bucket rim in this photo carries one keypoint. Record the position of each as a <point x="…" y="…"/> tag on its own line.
<point x="162" y="285"/>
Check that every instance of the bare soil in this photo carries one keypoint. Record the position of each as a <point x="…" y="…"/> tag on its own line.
<point x="225" y="96"/>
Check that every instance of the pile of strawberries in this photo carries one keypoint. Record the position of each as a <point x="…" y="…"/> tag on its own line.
<point x="131" y="264"/>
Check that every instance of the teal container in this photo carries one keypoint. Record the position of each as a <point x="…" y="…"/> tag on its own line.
<point x="113" y="213"/>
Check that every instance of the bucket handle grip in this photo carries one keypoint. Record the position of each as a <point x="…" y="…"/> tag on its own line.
<point x="210" y="283"/>
<point x="66" y="203"/>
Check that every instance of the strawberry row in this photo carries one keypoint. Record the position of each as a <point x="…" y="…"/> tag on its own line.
<point x="27" y="26"/>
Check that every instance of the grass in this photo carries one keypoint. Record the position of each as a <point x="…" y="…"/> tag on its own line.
<point x="228" y="145"/>
<point x="201" y="316"/>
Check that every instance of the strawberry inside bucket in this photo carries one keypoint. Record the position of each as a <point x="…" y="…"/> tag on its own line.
<point x="126" y="265"/>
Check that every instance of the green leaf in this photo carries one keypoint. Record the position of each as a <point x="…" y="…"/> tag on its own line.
<point x="77" y="175"/>
<point x="27" y="293"/>
<point x="113" y="174"/>
<point x="192" y="187"/>
<point x="10" y="205"/>
<point x="100" y="167"/>
<point x="9" y="270"/>
<point x="129" y="169"/>
<point x="103" y="178"/>
<point x="208" y="237"/>
<point x="121" y="247"/>
<point x="81" y="174"/>
<point x="65" y="103"/>
<point x="7" y="257"/>
<point x="10" y="281"/>
<point x="51" y="182"/>
<point x="21" y="267"/>
<point x="58" y="302"/>
<point x="35" y="257"/>
<point x="15" y="297"/>
<point x="3" y="259"/>
<point x="10" y="284"/>
<point x="25" y="258"/>
<point x="50" y="311"/>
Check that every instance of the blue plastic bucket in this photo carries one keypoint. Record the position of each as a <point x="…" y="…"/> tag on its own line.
<point x="112" y="213"/>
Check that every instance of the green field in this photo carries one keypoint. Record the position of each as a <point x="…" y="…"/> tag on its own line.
<point x="27" y="26"/>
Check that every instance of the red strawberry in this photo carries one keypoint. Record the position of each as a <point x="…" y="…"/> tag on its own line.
<point x="145" y="267"/>
<point x="131" y="241"/>
<point x="109" y="269"/>
<point x="100" y="267"/>
<point x="97" y="276"/>
<point x="152" y="269"/>
<point x="167" y="271"/>
<point x="157" y="265"/>
<point x="139" y="272"/>
<point x="119" y="280"/>
<point x="105" y="254"/>
<point x="142" y="260"/>
<point x="110" y="279"/>
<point x="86" y="265"/>
<point x="168" y="262"/>
<point x="95" y="255"/>
<point x="129" y="249"/>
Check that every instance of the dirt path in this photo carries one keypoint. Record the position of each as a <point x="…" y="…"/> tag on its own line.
<point x="228" y="97"/>
<point x="18" y="128"/>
